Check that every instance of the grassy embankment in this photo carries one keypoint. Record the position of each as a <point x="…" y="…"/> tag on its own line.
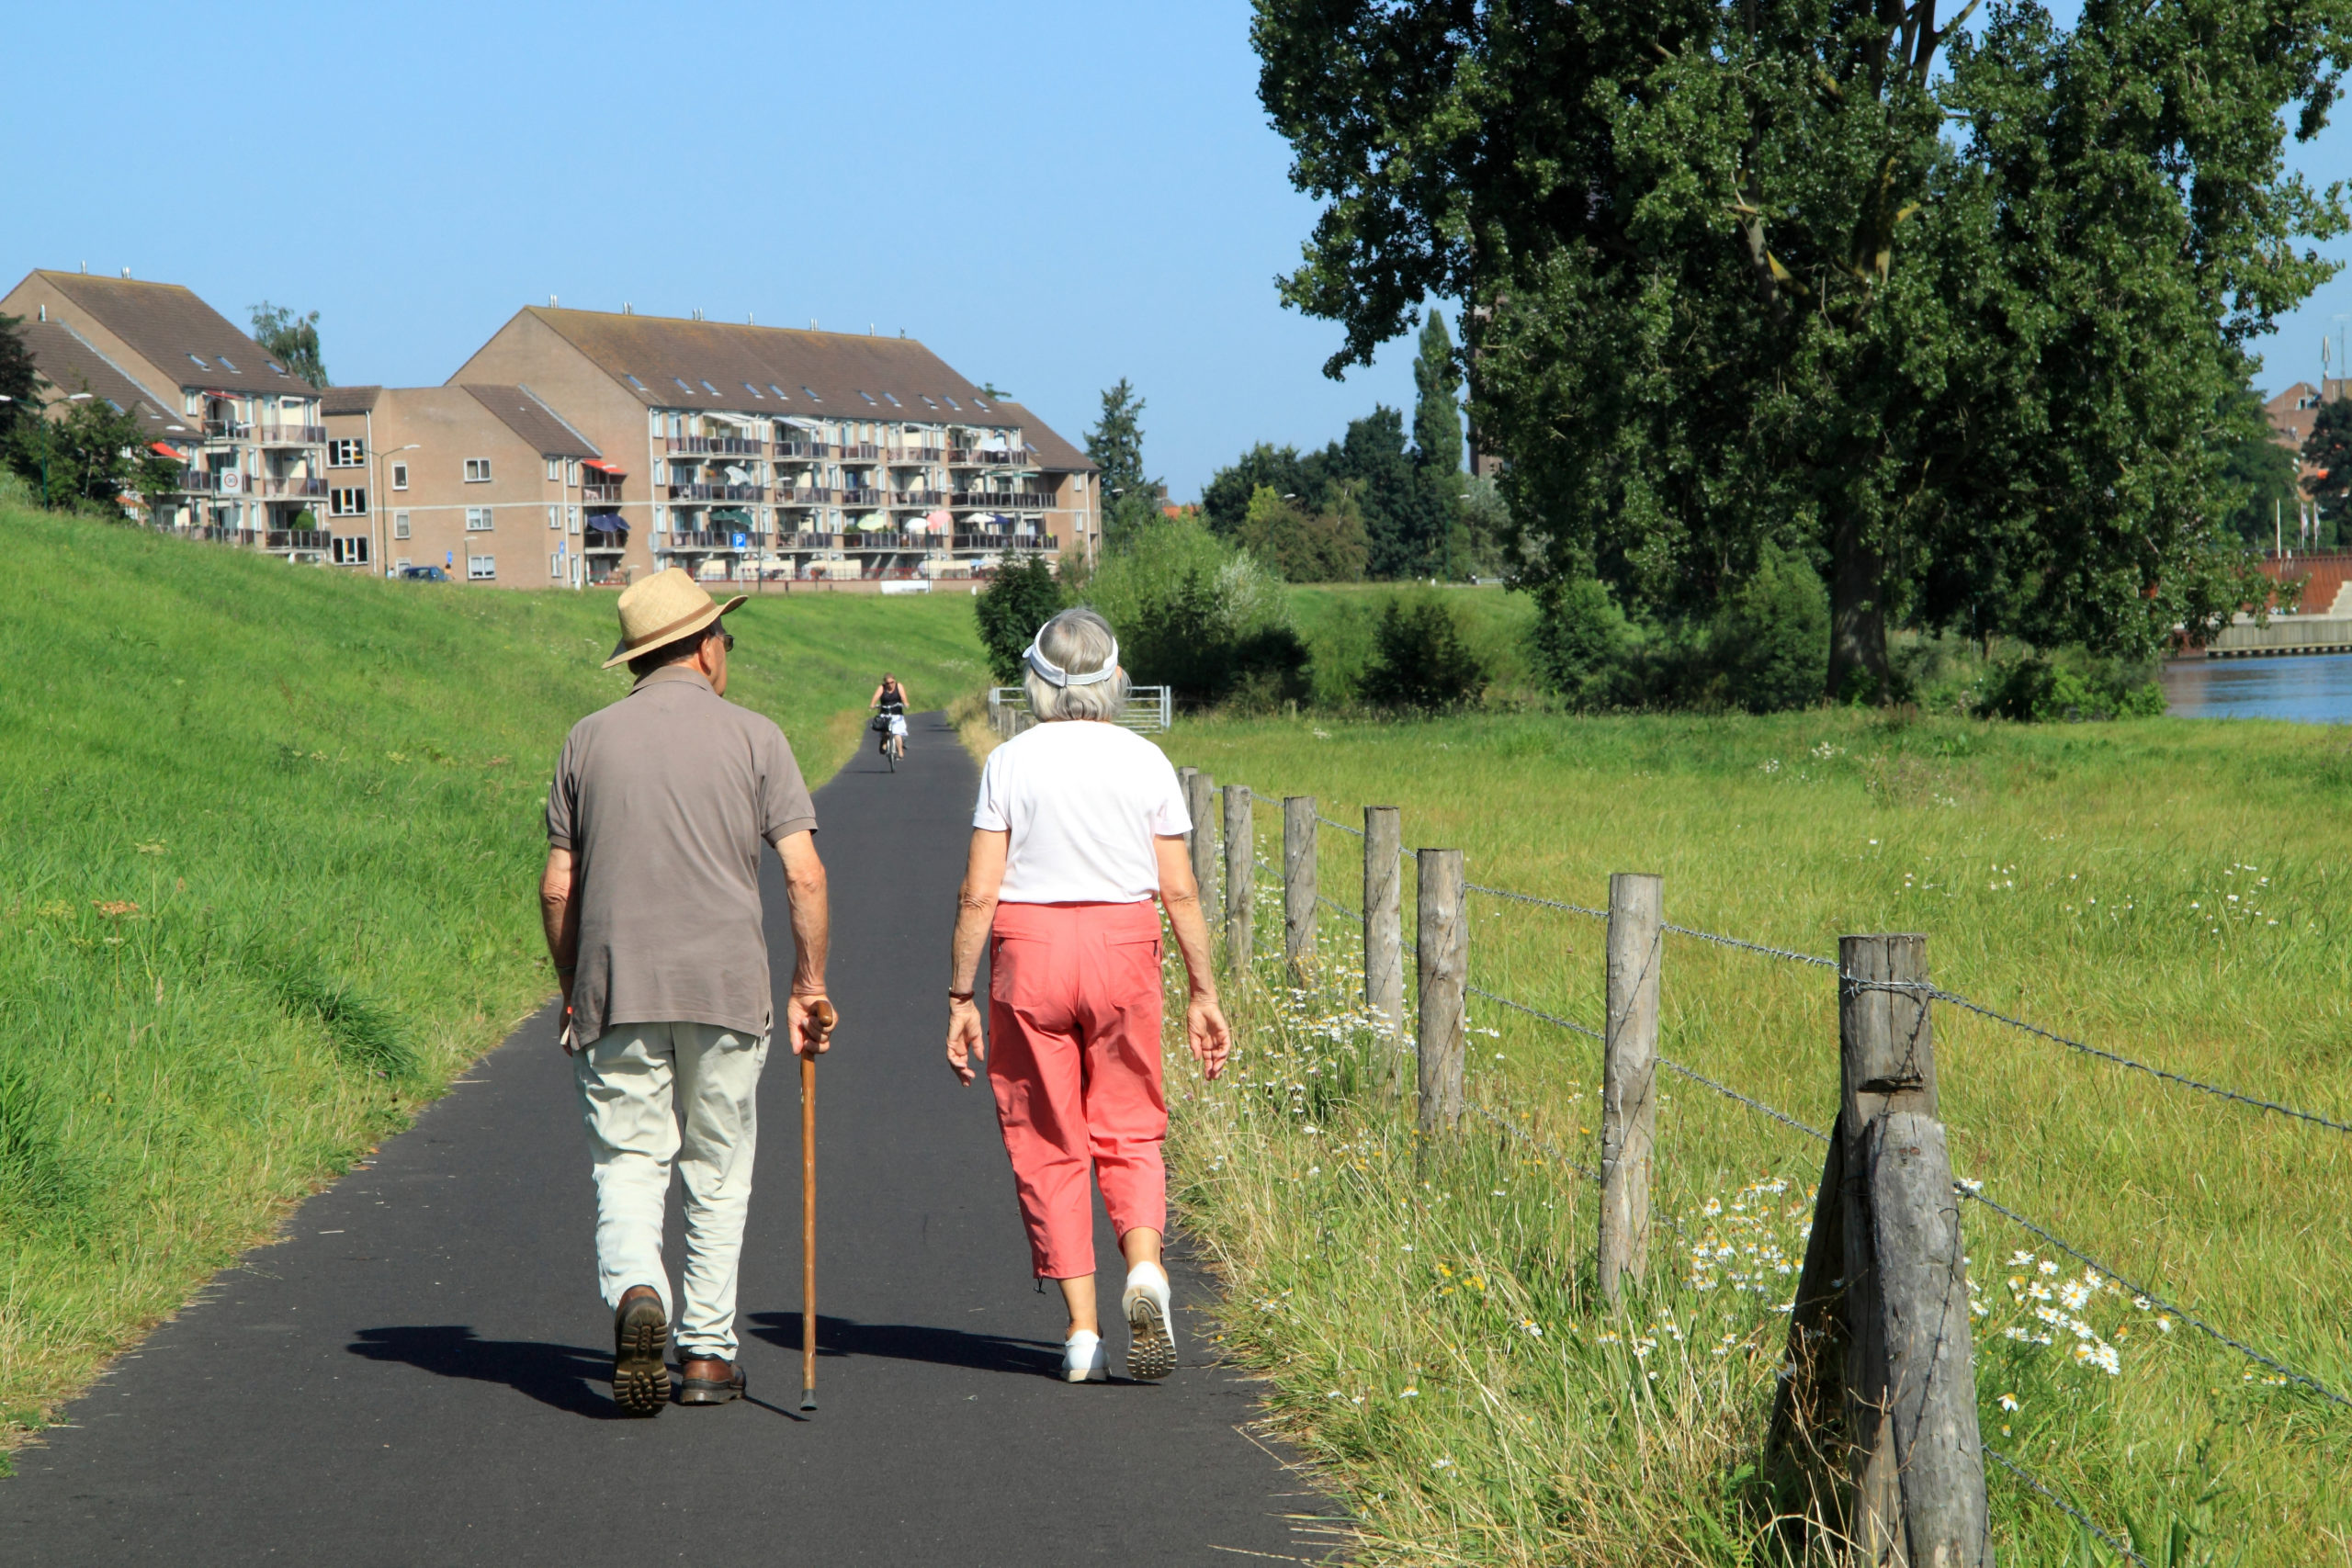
<point x="269" y="838"/>
<point x="1338" y="622"/>
<point x="2175" y="891"/>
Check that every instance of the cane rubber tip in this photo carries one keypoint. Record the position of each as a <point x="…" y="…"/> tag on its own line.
<point x="808" y="1402"/>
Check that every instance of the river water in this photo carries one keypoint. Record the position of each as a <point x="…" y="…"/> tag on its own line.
<point x="2309" y="689"/>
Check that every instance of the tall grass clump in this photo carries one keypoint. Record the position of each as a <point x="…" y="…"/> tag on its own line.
<point x="269" y="838"/>
<point x="2164" y="889"/>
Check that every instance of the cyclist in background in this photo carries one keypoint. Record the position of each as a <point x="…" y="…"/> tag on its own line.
<point x="889" y="706"/>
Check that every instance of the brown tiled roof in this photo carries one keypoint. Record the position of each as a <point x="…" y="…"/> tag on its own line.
<point x="1054" y="454"/>
<point x="166" y="323"/>
<point x="542" y="430"/>
<point x="72" y="365"/>
<point x="724" y="365"/>
<point x="349" y="399"/>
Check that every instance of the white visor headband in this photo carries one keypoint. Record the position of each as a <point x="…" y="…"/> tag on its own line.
<point x="1059" y="676"/>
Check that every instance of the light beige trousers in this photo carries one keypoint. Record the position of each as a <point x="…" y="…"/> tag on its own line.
<point x="658" y="1094"/>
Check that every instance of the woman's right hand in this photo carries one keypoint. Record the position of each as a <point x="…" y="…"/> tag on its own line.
<point x="966" y="1043"/>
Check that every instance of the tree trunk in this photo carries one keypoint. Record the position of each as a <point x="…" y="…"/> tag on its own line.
<point x="1857" y="615"/>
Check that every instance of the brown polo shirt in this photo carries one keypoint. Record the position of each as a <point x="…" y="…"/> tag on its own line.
<point x="664" y="798"/>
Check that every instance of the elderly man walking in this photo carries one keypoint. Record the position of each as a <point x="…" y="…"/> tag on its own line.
<point x="651" y="904"/>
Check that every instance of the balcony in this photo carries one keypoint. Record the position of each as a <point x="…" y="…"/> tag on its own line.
<point x="802" y="451"/>
<point x="292" y="435"/>
<point x="904" y="455"/>
<point x="601" y="491"/>
<point x="296" y="539"/>
<point x="717" y="446"/>
<point x="1016" y="543"/>
<point x="807" y="495"/>
<point x="921" y="498"/>
<point x="1004" y="500"/>
<point x="226" y="430"/>
<point x="717" y="492"/>
<point x="208" y="481"/>
<point x="601" y="542"/>
<point x="992" y="456"/>
<point x="695" y="540"/>
<point x="862" y="497"/>
<point x="806" y="541"/>
<point x="856" y="451"/>
<point x="274" y="485"/>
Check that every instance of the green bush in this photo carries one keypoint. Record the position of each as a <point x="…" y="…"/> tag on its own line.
<point x="2037" y="688"/>
<point x="1020" y="597"/>
<point x="1194" y="612"/>
<point x="1770" y="643"/>
<point x="1584" y="647"/>
<point x="1421" y="659"/>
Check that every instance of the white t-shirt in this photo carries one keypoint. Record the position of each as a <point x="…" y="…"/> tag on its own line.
<point x="1083" y="803"/>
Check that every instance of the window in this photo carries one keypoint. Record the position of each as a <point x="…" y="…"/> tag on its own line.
<point x="575" y="519"/>
<point x="661" y="519"/>
<point x="926" y="400"/>
<point x="779" y="393"/>
<point x="661" y="471"/>
<point x="346" y="454"/>
<point x="347" y="503"/>
<point x="348" y="550"/>
<point x="400" y="526"/>
<point x="274" y="364"/>
<point x="654" y="417"/>
<point x="635" y="382"/>
<point x="477" y="470"/>
<point x="677" y="424"/>
<point x="555" y="518"/>
<point x="555" y="469"/>
<point x="682" y="385"/>
<point x="554" y="565"/>
<point x="812" y="396"/>
<point x="952" y="402"/>
<point x="482" y="568"/>
<point x="980" y="405"/>
<point x="201" y="365"/>
<point x="477" y="519"/>
<point x="399" y="476"/>
<point x="193" y="403"/>
<point x="892" y="402"/>
<point x="711" y="389"/>
<point x="572" y="473"/>
<point x="867" y="396"/>
<point x="226" y="365"/>
<point x="754" y="391"/>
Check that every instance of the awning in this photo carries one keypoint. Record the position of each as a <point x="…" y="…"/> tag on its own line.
<point x="607" y="522"/>
<point x="165" y="449"/>
<point x="602" y="467"/>
<point x="872" y="524"/>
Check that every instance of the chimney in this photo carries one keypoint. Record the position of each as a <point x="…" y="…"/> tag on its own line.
<point x="126" y="272"/>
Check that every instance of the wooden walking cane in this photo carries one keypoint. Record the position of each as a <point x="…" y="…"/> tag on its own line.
<point x="825" y="1018"/>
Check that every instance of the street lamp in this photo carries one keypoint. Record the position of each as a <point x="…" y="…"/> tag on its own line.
<point x="376" y="513"/>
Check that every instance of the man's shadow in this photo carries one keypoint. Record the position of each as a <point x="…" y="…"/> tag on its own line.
<point x="911" y="1342"/>
<point x="564" y="1376"/>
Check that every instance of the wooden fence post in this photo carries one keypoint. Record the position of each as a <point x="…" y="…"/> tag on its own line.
<point x="1298" y="885"/>
<point x="1241" y="873"/>
<point x="1199" y="797"/>
<point x="1443" y="930"/>
<point x="1628" y="1076"/>
<point x="1384" y="936"/>
<point x="1880" y="1329"/>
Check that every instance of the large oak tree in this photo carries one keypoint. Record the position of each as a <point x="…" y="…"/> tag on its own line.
<point x="1960" y="315"/>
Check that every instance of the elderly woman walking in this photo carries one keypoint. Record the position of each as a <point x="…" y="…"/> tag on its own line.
<point x="1081" y="825"/>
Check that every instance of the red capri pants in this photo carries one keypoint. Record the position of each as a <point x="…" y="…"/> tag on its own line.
<point x="1074" y="1011"/>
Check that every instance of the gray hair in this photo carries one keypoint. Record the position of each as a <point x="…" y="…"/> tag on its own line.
<point x="1080" y="642"/>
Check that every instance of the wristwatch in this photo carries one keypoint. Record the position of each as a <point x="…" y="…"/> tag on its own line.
<point x="957" y="996"/>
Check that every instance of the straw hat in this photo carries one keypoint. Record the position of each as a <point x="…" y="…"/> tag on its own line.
<point x="664" y="607"/>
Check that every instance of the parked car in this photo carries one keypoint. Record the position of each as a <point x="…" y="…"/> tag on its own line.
<point x="424" y="574"/>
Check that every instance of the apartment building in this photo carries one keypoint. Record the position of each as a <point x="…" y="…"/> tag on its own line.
<point x="252" y="441"/>
<point x="487" y="482"/>
<point x="743" y="451"/>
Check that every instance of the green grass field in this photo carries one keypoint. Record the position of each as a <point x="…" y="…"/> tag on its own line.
<point x="269" y="840"/>
<point x="2173" y="891"/>
<point x="1338" y="621"/>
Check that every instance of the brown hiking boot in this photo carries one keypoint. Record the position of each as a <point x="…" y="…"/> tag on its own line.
<point x="708" y="1380"/>
<point x="640" y="1333"/>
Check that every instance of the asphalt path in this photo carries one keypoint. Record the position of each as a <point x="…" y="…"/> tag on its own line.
<point x="420" y="1372"/>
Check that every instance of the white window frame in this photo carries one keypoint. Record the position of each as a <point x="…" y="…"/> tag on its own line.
<point x="350" y="501"/>
<point x="399" y="527"/>
<point x="555" y="566"/>
<point x="555" y="469"/>
<point x="347" y="452"/>
<point x="478" y="519"/>
<point x="555" y="519"/>
<point x="478" y="471"/>
<point x="571" y="474"/>
<point x="574" y="519"/>
<point x="482" y="568"/>
<point x="399" y="476"/>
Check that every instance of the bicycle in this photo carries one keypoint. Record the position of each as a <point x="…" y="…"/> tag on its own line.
<point x="893" y="744"/>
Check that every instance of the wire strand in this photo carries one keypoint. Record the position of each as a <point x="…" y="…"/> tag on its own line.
<point x="1531" y="899"/>
<point x="2155" y="1300"/>
<point x="1533" y="1012"/>
<point x="2081" y="1517"/>
<point x="1343" y="826"/>
<point x="1790" y="954"/>
<point x="1734" y="1094"/>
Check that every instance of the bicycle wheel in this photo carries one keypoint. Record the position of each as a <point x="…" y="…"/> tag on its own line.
<point x="891" y="751"/>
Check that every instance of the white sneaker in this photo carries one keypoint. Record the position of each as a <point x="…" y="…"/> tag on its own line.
<point x="1082" y="1358"/>
<point x="1151" y="1346"/>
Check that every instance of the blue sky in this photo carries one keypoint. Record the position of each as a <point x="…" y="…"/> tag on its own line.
<point x="1052" y="196"/>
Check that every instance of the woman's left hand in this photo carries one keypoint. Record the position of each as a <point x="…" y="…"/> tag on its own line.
<point x="966" y="1043"/>
<point x="1210" y="1036"/>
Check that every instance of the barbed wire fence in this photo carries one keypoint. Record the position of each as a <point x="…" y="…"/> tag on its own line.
<point x="1968" y="1191"/>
